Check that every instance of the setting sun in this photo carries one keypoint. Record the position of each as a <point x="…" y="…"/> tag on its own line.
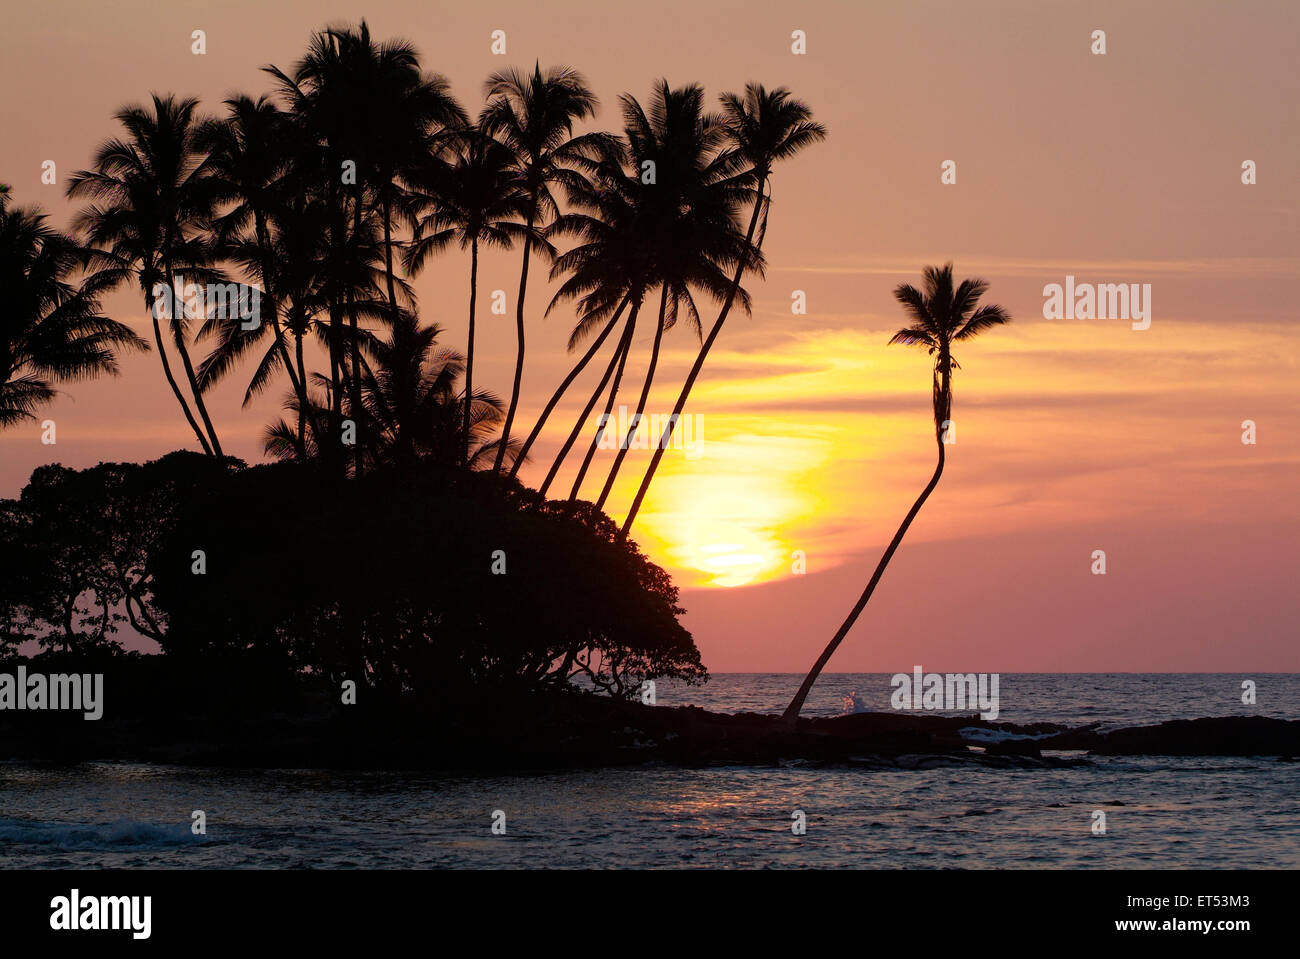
<point x="725" y="517"/>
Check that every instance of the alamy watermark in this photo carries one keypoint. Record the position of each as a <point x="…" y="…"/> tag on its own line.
<point x="83" y="691"/>
<point x="75" y="912"/>
<point x="1098" y="301"/>
<point x="948" y="691"/>
<point x="680" y="431"/>
<point x="199" y="301"/>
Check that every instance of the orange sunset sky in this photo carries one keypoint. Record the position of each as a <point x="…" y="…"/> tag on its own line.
<point x="1072" y="435"/>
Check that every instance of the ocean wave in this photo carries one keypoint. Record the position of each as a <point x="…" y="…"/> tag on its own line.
<point x="119" y="834"/>
<point x="981" y="734"/>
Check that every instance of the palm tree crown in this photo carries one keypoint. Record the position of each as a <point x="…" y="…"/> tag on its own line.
<point x="51" y="328"/>
<point x="761" y="127"/>
<point x="941" y="316"/>
<point x="153" y="194"/>
<point x="534" y="116"/>
<point x="473" y="201"/>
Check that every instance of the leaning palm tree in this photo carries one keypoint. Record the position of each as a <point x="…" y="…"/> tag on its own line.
<point x="471" y="202"/>
<point x="690" y="216"/>
<point x="154" y="196"/>
<point x="602" y="279"/>
<point x="603" y="423"/>
<point x="940" y="317"/>
<point x="672" y="229"/>
<point x="534" y="116"/>
<point x="609" y="271"/>
<point x="763" y="127"/>
<point x="51" y="328"/>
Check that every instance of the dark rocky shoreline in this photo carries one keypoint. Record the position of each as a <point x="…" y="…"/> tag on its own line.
<point x="584" y="732"/>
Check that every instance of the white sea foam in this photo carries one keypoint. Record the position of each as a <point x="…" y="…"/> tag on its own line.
<point x="981" y="734"/>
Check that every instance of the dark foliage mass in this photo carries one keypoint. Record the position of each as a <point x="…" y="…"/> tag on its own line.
<point x="274" y="237"/>
<point x="420" y="614"/>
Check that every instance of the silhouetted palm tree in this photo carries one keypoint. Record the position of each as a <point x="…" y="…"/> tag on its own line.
<point x="471" y="202"/>
<point x="414" y="411"/>
<point x="153" y="201"/>
<point x="689" y="217"/>
<point x="606" y="418"/>
<point x="940" y="317"/>
<point x="51" y="328"/>
<point x="607" y="273"/>
<point x="300" y="254"/>
<point x="316" y="168"/>
<point x="248" y="160"/>
<point x="408" y="118"/>
<point x="668" y="222"/>
<point x="602" y="271"/>
<point x="307" y="279"/>
<point x="284" y="250"/>
<point x="413" y="399"/>
<point x="387" y="117"/>
<point x="763" y="127"/>
<point x="357" y="105"/>
<point x="285" y="443"/>
<point x="534" y="116"/>
<point x="407" y="379"/>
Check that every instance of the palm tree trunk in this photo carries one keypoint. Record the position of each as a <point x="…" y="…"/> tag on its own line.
<point x="624" y="348"/>
<point x="333" y="450"/>
<point x="582" y="420"/>
<point x="302" y="398"/>
<point x="179" y="336"/>
<point x="469" y="353"/>
<point x="942" y="402"/>
<point x="264" y="241"/>
<point x="695" y="370"/>
<point x="519" y="332"/>
<point x="388" y="257"/>
<point x="358" y="447"/>
<point x="151" y="305"/>
<point x="640" y="406"/>
<point x="563" y="388"/>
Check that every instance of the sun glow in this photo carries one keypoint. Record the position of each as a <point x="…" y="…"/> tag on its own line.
<point x="724" y="518"/>
<point x="732" y="549"/>
<point x="835" y="444"/>
<point x="735" y="512"/>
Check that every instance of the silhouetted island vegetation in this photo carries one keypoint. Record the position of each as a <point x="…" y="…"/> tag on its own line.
<point x="386" y="592"/>
<point x="391" y="545"/>
<point x="482" y="626"/>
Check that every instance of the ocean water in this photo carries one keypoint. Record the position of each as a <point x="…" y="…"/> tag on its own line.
<point x="1209" y="812"/>
<point x="1112" y="699"/>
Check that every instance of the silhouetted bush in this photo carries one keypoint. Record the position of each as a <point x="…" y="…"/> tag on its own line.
<point x="388" y="580"/>
<point x="79" y="547"/>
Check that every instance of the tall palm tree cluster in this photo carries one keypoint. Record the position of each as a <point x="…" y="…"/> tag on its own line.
<point x="334" y="190"/>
